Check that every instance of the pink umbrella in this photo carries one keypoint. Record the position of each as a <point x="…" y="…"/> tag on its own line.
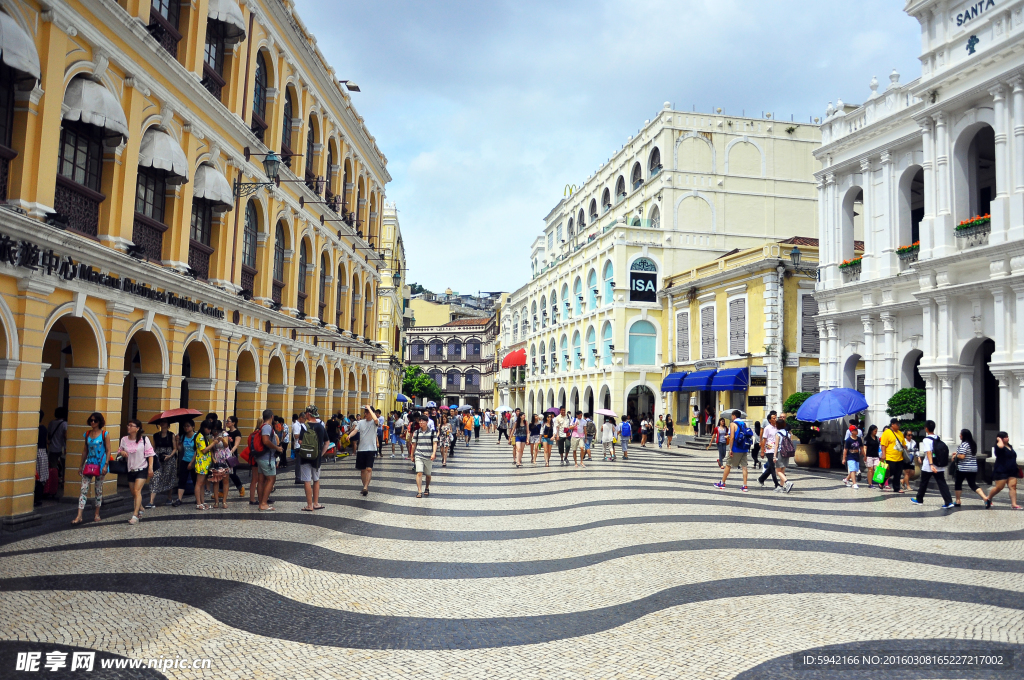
<point x="604" y="412"/>
<point x="444" y="408"/>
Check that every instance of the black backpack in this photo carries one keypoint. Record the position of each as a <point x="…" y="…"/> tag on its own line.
<point x="940" y="452"/>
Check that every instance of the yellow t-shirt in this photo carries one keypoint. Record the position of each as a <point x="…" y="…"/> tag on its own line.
<point x="888" y="444"/>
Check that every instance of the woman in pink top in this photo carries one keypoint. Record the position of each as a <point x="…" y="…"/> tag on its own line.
<point x="140" y="454"/>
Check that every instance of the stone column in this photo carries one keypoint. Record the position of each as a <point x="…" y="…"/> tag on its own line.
<point x="889" y="372"/>
<point x="947" y="428"/>
<point x="928" y="166"/>
<point x="833" y="354"/>
<point x="871" y="257"/>
<point x="869" y="367"/>
<point x="1001" y="325"/>
<point x="822" y="356"/>
<point x="833" y="239"/>
<point x="884" y="237"/>
<point x="1016" y="226"/>
<point x="943" y="243"/>
<point x="1018" y="319"/>
<point x="1000" y="205"/>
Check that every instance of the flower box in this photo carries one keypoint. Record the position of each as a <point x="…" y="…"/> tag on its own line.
<point x="851" y="264"/>
<point x="974" y="232"/>
<point x="974" y="223"/>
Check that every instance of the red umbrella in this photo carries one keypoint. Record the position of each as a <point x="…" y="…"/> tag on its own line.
<point x="176" y="415"/>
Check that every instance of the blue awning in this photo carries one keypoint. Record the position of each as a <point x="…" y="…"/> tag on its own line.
<point x="672" y="381"/>
<point x="697" y="381"/>
<point x="731" y="380"/>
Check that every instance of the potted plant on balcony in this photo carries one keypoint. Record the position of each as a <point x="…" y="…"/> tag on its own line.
<point x="909" y="253"/>
<point x="975" y="230"/>
<point x="851" y="268"/>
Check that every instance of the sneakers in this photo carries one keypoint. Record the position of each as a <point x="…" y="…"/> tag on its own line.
<point x="855" y="486"/>
<point x="133" y="520"/>
<point x="917" y="502"/>
<point x="948" y="506"/>
<point x="846" y="482"/>
<point x="719" y="485"/>
<point x="149" y="506"/>
<point x="743" y="489"/>
<point x="779" y="489"/>
<point x="788" y="487"/>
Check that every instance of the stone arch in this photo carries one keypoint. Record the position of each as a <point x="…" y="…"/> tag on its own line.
<point x="9" y="343"/>
<point x="697" y="215"/>
<point x="246" y="368"/>
<point x="974" y="166"/>
<point x="910" y="375"/>
<point x="84" y="324"/>
<point x="151" y="341"/>
<point x="911" y="204"/>
<point x="574" y="400"/>
<point x="588" y="401"/>
<point x="849" y="377"/>
<point x="699" y="153"/>
<point x="851" y="222"/>
<point x="275" y="370"/>
<point x="745" y="161"/>
<point x="605" y="397"/>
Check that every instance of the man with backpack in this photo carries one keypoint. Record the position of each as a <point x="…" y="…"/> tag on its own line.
<point x="591" y="432"/>
<point x="934" y="459"/>
<point x="313" y="442"/>
<point x="739" y="441"/>
<point x="625" y="435"/>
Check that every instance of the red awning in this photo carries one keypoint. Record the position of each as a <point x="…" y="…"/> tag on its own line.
<point x="514" y="359"/>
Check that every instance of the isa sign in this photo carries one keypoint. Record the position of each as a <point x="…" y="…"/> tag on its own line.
<point x="643" y="287"/>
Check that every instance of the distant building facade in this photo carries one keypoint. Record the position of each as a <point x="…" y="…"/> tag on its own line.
<point x="459" y="357"/>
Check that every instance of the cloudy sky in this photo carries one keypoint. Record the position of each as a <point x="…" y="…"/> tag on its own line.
<point x="487" y="109"/>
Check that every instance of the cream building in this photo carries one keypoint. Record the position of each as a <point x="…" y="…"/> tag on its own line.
<point x="912" y="164"/>
<point x="392" y="307"/>
<point x="137" y="275"/>
<point x="687" y="187"/>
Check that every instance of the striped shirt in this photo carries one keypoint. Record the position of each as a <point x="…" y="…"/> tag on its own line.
<point x="970" y="461"/>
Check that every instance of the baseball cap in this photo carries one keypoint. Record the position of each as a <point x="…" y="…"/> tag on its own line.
<point x="312" y="410"/>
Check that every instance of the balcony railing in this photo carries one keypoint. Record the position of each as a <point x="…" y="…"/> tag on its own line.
<point x="148" y="234"/>
<point x="199" y="258"/>
<point x="79" y="205"/>
<point x="302" y="303"/>
<point x="164" y="33"/>
<point x="212" y="81"/>
<point x="851" y="272"/>
<point x="277" y="290"/>
<point x="248" y="278"/>
<point x="6" y="156"/>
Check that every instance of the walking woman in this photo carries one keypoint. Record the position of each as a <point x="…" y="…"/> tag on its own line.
<point x="519" y="432"/>
<point x="93" y="467"/>
<point x="1004" y="472"/>
<point x="534" y="438"/>
<point x="871" y="448"/>
<point x="139" y="452"/>
<point x="670" y="430"/>
<point x="770" y="447"/>
<point x="219" y="469"/>
<point x="645" y="431"/>
<point x="967" y="466"/>
<point x="502" y="427"/>
<point x="547" y="436"/>
<point x="201" y="462"/>
<point x="444" y="440"/>
<point x="756" y="448"/>
<point x="608" y="437"/>
<point x="719" y="437"/>
<point x="165" y="446"/>
<point x="784" y="451"/>
<point x="709" y="418"/>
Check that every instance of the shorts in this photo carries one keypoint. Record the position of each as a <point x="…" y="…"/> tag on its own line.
<point x="587" y="443"/>
<point x="364" y="459"/>
<point x="784" y="461"/>
<point x="424" y="465"/>
<point x="534" y="438"/>
<point x="395" y="439"/>
<point x="624" y="444"/>
<point x="853" y="466"/>
<point x="138" y="474"/>
<point x="267" y="466"/>
<point x="998" y="476"/>
<point x="520" y="440"/>
<point x="308" y="473"/>
<point x="577" y="443"/>
<point x="466" y="432"/>
<point x="546" y="441"/>
<point x="870" y="462"/>
<point x="737" y="459"/>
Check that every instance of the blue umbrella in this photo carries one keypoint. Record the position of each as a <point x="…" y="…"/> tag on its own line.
<point x="431" y="404"/>
<point x="401" y="397"/>
<point x="832" y="404"/>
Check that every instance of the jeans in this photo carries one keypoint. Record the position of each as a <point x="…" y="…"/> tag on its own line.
<point x="661" y="438"/>
<point x="721" y="452"/>
<point x="895" y="473"/>
<point x="476" y="432"/>
<point x="940" y="481"/>
<point x="769" y="469"/>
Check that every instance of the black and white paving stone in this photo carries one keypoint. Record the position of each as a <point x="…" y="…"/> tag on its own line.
<point x="635" y="568"/>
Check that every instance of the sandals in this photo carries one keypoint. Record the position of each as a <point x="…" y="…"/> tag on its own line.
<point x="319" y="507"/>
<point x="77" y="520"/>
<point x="201" y="506"/>
<point x="419" y="495"/>
<point x="307" y="509"/>
<point x="426" y="492"/>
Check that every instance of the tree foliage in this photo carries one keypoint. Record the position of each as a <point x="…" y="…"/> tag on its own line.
<point x="419" y="384"/>
<point x="795" y="401"/>
<point x="416" y="289"/>
<point x="909" y="400"/>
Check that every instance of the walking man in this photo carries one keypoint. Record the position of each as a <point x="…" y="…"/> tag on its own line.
<point x="739" y="441"/>
<point x="770" y="449"/>
<point x="561" y="425"/>
<point x="366" y="450"/>
<point x="895" y="445"/>
<point x="660" y="425"/>
<point x="425" y="451"/>
<point x="310" y="454"/>
<point x="934" y="459"/>
<point x="579" y="432"/>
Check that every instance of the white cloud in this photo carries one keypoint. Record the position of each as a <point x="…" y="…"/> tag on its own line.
<point x="487" y="110"/>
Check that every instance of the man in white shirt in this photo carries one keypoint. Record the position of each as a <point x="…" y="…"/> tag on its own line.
<point x="930" y="470"/>
<point x="561" y="423"/>
<point x="366" y="448"/>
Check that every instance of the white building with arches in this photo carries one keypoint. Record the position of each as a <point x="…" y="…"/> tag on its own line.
<point x="687" y="188"/>
<point x="937" y="299"/>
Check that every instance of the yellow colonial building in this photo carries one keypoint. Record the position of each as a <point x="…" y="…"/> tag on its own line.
<point x="150" y="258"/>
<point x="741" y="332"/>
<point x="393" y="308"/>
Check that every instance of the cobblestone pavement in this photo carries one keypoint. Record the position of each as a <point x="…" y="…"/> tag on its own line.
<point x="631" y="569"/>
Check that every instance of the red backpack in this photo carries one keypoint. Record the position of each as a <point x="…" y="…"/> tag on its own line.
<point x="256" y="443"/>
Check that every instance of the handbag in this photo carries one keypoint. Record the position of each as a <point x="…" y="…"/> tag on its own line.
<point x="91" y="470"/>
<point x="880" y="471"/>
<point x="118" y="466"/>
<point x="232" y="461"/>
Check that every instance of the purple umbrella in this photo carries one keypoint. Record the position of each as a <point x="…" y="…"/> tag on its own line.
<point x="552" y="410"/>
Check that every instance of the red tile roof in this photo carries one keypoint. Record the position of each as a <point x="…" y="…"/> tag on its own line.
<point x="471" y="321"/>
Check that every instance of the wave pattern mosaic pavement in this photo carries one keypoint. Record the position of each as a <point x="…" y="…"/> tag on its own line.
<point x="625" y="569"/>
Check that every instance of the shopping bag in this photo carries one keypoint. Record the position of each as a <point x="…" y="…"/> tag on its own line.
<point x="880" y="470"/>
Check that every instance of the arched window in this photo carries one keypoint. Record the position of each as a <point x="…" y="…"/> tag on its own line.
<point x="642" y="338"/>
<point x="593" y="210"/>
<point x="655" y="218"/>
<point x="564" y="347"/>
<point x="329" y="183"/>
<point x="515" y="327"/>
<point x="577" y="351"/>
<point x="533" y="359"/>
<point x="259" y="98"/>
<point x="571" y="228"/>
<point x="163" y="24"/>
<point x="654" y="165"/>
<point x="454" y="381"/>
<point x="581" y="223"/>
<point x="606" y="200"/>
<point x="436" y="350"/>
<point x="200" y="234"/>
<point x="217" y="45"/>
<point x="286" y="128"/>
<point x="606" y="344"/>
<point x="473" y="350"/>
<point x="591" y="347"/>
<point x="533" y="311"/>
<point x="974" y="167"/>
<point x="565" y="300"/>
<point x="279" y="248"/>
<point x="592" y="290"/>
<point x="577" y="291"/>
<point x="249" y="236"/>
<point x="543" y="311"/>
<point x="340" y="295"/>
<point x="620" y="189"/>
<point x="554" y="306"/>
<point x="417" y="350"/>
<point x="472" y="381"/>
<point x="322" y="293"/>
<point x="310" y="143"/>
<point x="454" y="350"/>
<point x="852" y="222"/>
<point x="911" y="200"/>
<point x="353" y="297"/>
<point x="637" y="178"/>
<point x="303" y="262"/>
<point x="438" y="378"/>
<point x="553" y="358"/>
<point x="609" y="283"/>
